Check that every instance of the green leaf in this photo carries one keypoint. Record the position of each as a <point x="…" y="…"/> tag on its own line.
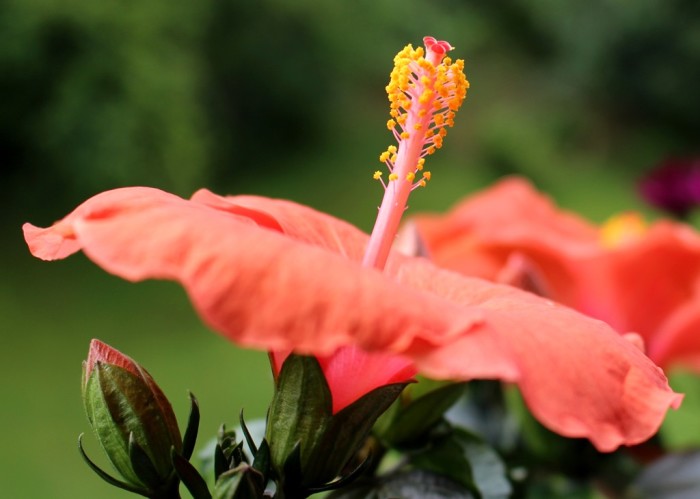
<point x="413" y="421"/>
<point x="468" y="460"/>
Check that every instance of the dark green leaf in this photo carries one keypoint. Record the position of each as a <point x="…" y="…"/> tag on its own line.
<point x="415" y="419"/>
<point x="469" y="461"/>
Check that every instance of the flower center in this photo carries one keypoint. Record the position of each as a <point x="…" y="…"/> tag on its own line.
<point x="425" y="90"/>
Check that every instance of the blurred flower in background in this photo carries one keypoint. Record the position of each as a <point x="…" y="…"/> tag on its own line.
<point x="673" y="186"/>
<point x="639" y="278"/>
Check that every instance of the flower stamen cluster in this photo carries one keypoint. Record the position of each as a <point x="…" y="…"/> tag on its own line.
<point x="425" y="90"/>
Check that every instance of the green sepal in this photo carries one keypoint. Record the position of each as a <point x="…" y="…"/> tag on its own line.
<point x="242" y="482"/>
<point x="190" y="477"/>
<point x="248" y="437"/>
<point x="143" y="467"/>
<point x="261" y="460"/>
<point x="190" y="437"/>
<point x="406" y="423"/>
<point x="346" y="433"/>
<point x="345" y="479"/>
<point x="106" y="476"/>
<point x="113" y="439"/>
<point x="300" y="411"/>
<point x="221" y="462"/>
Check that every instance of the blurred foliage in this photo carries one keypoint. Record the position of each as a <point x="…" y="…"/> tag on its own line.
<point x="229" y="94"/>
<point x="286" y="99"/>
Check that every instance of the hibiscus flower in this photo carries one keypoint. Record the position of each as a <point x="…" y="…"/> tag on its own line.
<point x="636" y="277"/>
<point x="275" y="275"/>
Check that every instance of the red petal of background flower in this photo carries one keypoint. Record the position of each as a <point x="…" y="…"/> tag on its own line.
<point x="265" y="289"/>
<point x="636" y="286"/>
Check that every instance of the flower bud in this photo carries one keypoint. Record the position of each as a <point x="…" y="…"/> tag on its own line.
<point x="312" y="448"/>
<point x="132" y="419"/>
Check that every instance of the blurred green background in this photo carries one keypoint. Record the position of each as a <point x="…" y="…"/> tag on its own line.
<point x="284" y="99"/>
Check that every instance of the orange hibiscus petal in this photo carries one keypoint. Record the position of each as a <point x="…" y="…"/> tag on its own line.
<point x="278" y="276"/>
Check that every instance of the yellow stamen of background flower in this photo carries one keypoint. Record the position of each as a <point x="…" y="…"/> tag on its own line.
<point x="622" y="229"/>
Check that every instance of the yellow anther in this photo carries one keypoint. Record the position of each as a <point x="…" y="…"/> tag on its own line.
<point x="405" y="135"/>
<point x="377" y="175"/>
<point x="390" y="124"/>
<point x="410" y="176"/>
<point x="421" y="163"/>
<point x="422" y="183"/>
<point x="391" y="149"/>
<point x="417" y="126"/>
<point x="384" y="157"/>
<point x="622" y="229"/>
<point x="426" y="175"/>
<point x="393" y="176"/>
